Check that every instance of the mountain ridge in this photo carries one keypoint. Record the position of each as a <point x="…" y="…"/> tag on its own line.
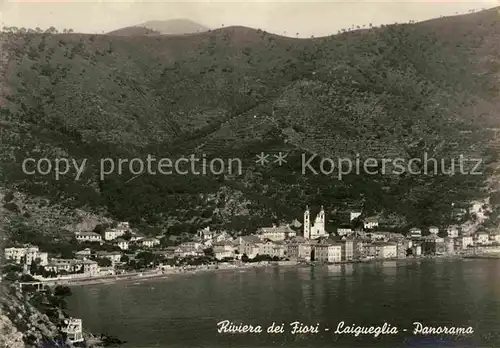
<point x="401" y="90"/>
<point x="179" y="26"/>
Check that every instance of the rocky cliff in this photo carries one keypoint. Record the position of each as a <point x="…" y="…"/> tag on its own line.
<point x="21" y="324"/>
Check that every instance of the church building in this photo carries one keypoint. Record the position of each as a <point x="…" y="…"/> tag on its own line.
<point x="317" y="229"/>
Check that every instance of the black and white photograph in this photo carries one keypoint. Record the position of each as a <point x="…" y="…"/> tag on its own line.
<point x="249" y="174"/>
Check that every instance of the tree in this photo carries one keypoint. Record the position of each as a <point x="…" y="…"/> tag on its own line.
<point x="209" y="252"/>
<point x="124" y="258"/>
<point x="62" y="291"/>
<point x="127" y="236"/>
<point x="27" y="278"/>
<point x="104" y="262"/>
<point x="34" y="268"/>
<point x="67" y="253"/>
<point x="99" y="229"/>
<point x="245" y="258"/>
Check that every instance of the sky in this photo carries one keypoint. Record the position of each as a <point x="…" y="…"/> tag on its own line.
<point x="280" y="17"/>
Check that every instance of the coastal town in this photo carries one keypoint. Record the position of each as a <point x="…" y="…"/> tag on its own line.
<point x="121" y="252"/>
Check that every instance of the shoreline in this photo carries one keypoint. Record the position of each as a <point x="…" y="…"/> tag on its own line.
<point x="158" y="274"/>
<point x="137" y="276"/>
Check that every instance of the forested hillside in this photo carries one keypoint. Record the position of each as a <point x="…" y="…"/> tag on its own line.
<point x="398" y="91"/>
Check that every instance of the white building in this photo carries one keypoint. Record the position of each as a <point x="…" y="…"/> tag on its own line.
<point x="122" y="243"/>
<point x="417" y="250"/>
<point x="113" y="233"/>
<point x="150" y="242"/>
<point x="33" y="254"/>
<point x="123" y="226"/>
<point x="415" y="232"/>
<point x="482" y="238"/>
<point x="90" y="267"/>
<point x="15" y="254"/>
<point x="452" y="231"/>
<point x="73" y="329"/>
<point x="370" y="222"/>
<point x="495" y="238"/>
<point x="386" y="250"/>
<point x="26" y="254"/>
<point x="463" y="242"/>
<point x="88" y="237"/>
<point x="113" y="256"/>
<point x="317" y="229"/>
<point x="354" y="215"/>
<point x="205" y="234"/>
<point x="433" y="230"/>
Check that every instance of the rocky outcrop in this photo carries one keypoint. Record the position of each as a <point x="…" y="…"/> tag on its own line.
<point x="10" y="337"/>
<point x="21" y="324"/>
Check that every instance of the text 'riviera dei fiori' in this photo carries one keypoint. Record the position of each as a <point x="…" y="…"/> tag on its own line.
<point x="295" y="327"/>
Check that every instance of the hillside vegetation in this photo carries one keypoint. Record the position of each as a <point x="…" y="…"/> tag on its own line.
<point x="396" y="91"/>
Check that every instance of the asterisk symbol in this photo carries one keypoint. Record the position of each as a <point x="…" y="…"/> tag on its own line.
<point x="262" y="159"/>
<point x="280" y="158"/>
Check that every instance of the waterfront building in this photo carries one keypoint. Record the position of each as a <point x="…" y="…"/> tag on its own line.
<point x="223" y="250"/>
<point x="90" y="267"/>
<point x="359" y="248"/>
<point x="449" y="245"/>
<point x="381" y="250"/>
<point x="347" y="245"/>
<point x="64" y="265"/>
<point x="317" y="229"/>
<point x="299" y="249"/>
<point x="401" y="249"/>
<point x="495" y="238"/>
<point x="279" y="250"/>
<point x="432" y="245"/>
<point x="250" y="250"/>
<point x="73" y="329"/>
<point x="481" y="238"/>
<point x="344" y="231"/>
<point x="416" y="249"/>
<point x="266" y="248"/>
<point x="463" y="242"/>
<point x="327" y="251"/>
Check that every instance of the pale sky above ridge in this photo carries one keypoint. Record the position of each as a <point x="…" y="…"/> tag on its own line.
<point x="280" y="17"/>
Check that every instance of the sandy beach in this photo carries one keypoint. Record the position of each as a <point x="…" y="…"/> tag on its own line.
<point x="156" y="274"/>
<point x="167" y="273"/>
